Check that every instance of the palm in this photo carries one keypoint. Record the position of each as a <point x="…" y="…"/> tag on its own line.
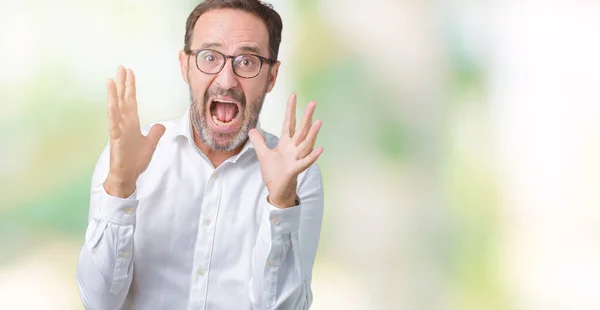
<point x="294" y="153"/>
<point x="130" y="151"/>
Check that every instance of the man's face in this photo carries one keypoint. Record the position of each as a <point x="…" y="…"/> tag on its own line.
<point x="225" y="106"/>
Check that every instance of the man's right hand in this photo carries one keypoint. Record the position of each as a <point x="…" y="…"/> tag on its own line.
<point x="130" y="150"/>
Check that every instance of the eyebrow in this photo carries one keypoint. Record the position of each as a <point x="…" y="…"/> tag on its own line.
<point x="246" y="48"/>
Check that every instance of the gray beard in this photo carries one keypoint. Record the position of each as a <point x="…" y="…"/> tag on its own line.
<point x="206" y="135"/>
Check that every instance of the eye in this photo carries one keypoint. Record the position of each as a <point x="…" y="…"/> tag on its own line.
<point x="208" y="56"/>
<point x="246" y="62"/>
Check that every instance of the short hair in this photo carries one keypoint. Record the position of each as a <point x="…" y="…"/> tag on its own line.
<point x="260" y="9"/>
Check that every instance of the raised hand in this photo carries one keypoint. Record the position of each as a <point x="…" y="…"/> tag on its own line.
<point x="294" y="153"/>
<point x="130" y="150"/>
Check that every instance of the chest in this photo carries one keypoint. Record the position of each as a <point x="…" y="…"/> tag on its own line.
<point x="188" y="209"/>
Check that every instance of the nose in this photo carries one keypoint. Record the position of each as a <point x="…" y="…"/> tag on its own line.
<point x="226" y="79"/>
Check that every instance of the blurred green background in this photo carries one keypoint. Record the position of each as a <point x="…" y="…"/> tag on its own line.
<point x="461" y="160"/>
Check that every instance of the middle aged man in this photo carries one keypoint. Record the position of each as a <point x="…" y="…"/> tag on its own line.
<point x="207" y="212"/>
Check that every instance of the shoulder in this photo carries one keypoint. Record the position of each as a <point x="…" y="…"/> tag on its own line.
<point x="270" y="139"/>
<point x="173" y="127"/>
<point x="312" y="175"/>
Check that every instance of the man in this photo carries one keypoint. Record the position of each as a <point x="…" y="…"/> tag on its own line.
<point x="207" y="211"/>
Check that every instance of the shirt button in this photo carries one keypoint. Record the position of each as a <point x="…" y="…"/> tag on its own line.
<point x="215" y="175"/>
<point x="276" y="221"/>
<point x="207" y="222"/>
<point x="128" y="211"/>
<point x="271" y="263"/>
<point x="201" y="272"/>
<point x="125" y="255"/>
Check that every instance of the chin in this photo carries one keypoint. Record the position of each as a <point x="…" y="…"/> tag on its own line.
<point x="225" y="142"/>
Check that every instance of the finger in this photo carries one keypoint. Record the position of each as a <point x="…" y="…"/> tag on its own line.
<point x="292" y="124"/>
<point x="300" y="135"/>
<point x="155" y="133"/>
<point x="130" y="92"/>
<point x="309" y="143"/>
<point x="114" y="116"/>
<point x="121" y="87"/>
<point x="258" y="141"/>
<point x="305" y="162"/>
<point x="289" y="123"/>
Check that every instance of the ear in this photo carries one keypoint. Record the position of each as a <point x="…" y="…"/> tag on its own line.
<point x="183" y="64"/>
<point x="273" y="76"/>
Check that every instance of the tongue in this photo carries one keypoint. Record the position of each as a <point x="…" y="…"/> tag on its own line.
<point x="224" y="111"/>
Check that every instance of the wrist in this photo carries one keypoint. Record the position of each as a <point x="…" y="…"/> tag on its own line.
<point x="119" y="187"/>
<point x="287" y="202"/>
<point x="283" y="196"/>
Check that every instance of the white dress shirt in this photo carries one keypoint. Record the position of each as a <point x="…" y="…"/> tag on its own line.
<point x="195" y="237"/>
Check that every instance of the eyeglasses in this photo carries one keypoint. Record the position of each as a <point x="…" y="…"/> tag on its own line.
<point x="212" y="62"/>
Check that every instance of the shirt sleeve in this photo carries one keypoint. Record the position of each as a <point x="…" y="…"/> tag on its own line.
<point x="285" y="249"/>
<point x="105" y="266"/>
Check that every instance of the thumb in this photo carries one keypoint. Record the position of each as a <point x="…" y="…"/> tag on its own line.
<point x="156" y="132"/>
<point x="258" y="141"/>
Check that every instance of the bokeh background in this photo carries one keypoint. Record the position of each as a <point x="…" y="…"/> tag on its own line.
<point x="462" y="154"/>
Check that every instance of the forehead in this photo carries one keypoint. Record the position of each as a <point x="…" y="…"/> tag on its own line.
<point x="232" y="30"/>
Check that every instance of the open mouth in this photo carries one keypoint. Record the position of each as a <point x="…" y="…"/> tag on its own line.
<point x="225" y="113"/>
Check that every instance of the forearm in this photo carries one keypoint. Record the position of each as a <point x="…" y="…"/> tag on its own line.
<point x="105" y="266"/>
<point x="285" y="250"/>
<point x="277" y="280"/>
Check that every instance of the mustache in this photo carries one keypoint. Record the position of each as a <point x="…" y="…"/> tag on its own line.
<point x="235" y="94"/>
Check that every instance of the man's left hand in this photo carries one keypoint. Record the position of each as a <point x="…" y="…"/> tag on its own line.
<point x="295" y="152"/>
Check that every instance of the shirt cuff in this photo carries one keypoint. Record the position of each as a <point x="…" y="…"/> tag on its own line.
<point x="118" y="210"/>
<point x="283" y="221"/>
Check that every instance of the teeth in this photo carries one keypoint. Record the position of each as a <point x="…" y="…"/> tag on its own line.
<point x="223" y="124"/>
<point x="224" y="101"/>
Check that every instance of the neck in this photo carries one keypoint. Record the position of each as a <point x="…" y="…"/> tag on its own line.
<point x="215" y="157"/>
